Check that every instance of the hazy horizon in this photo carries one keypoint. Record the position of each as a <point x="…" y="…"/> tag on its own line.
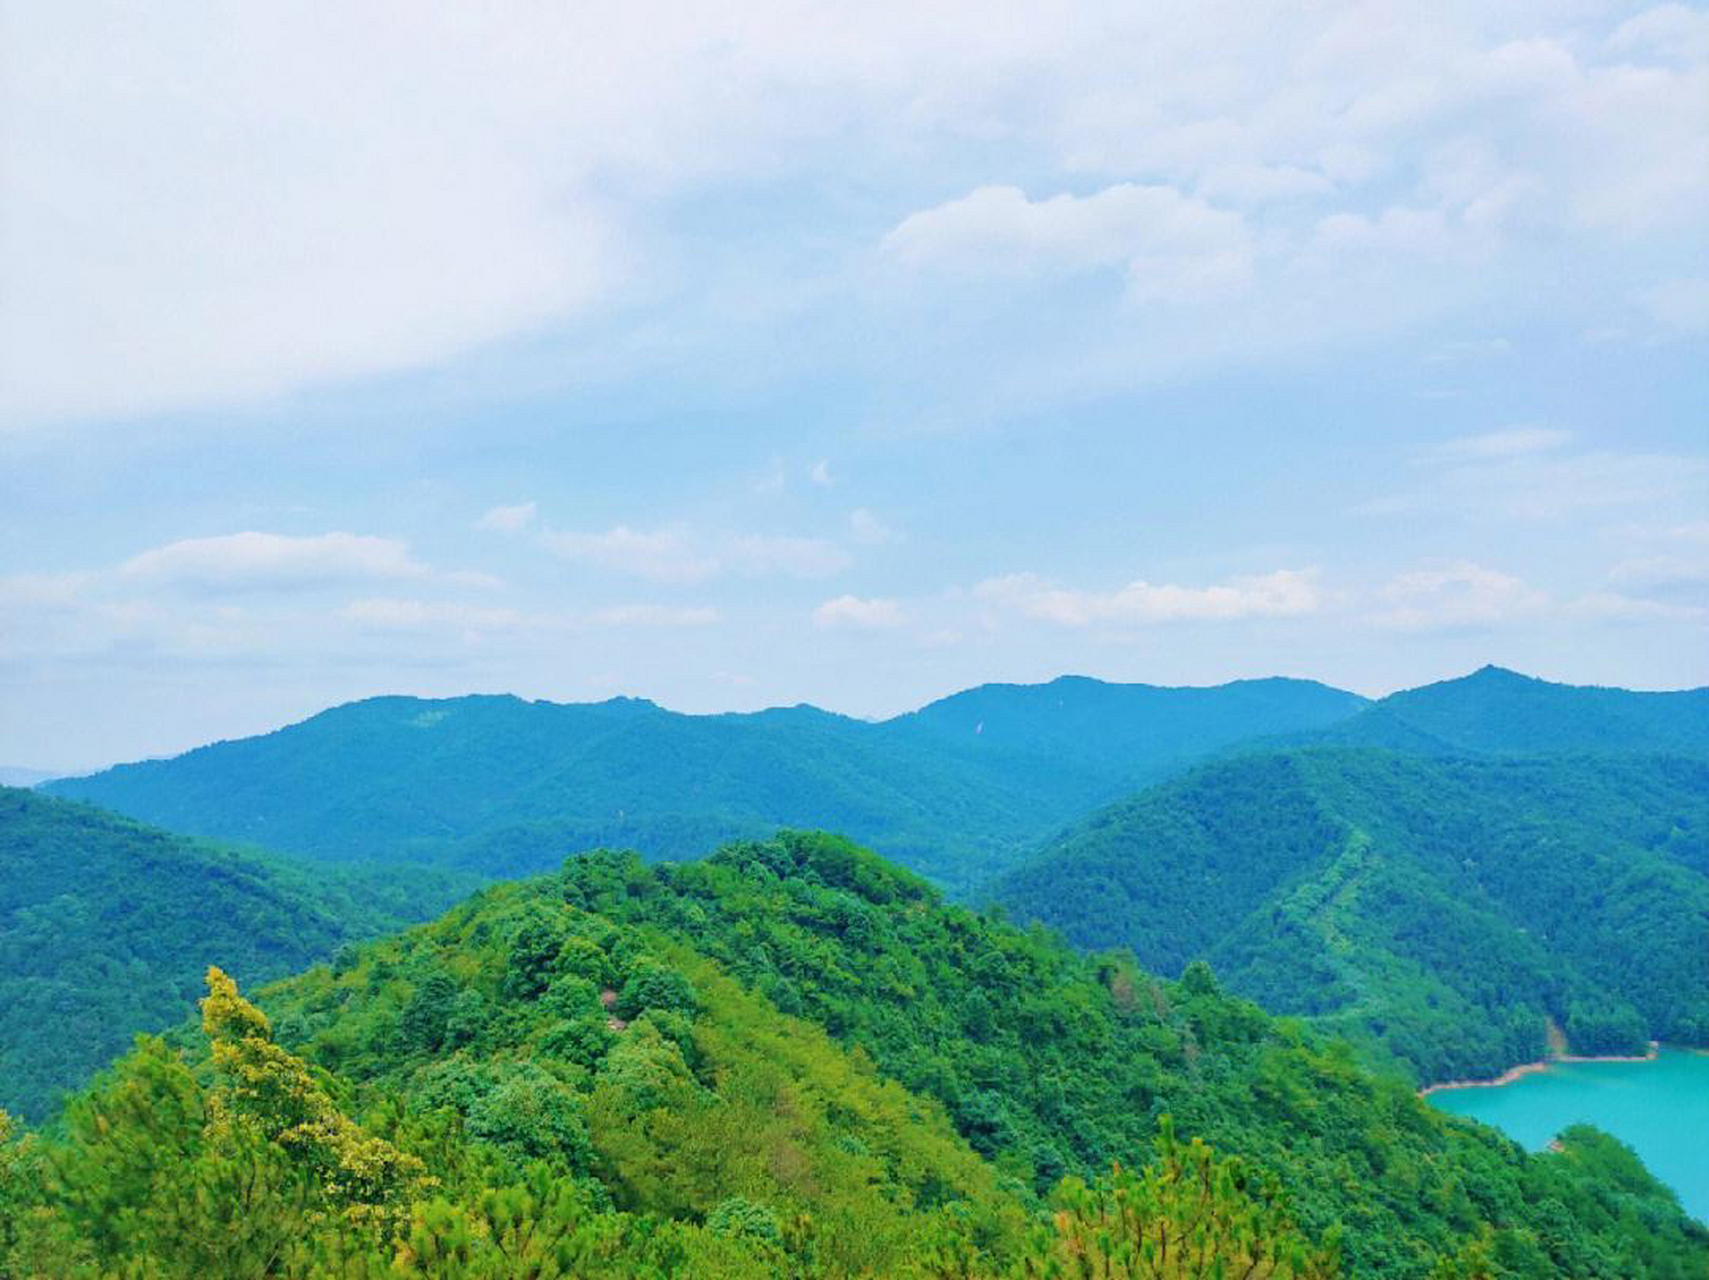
<point x="97" y="766"/>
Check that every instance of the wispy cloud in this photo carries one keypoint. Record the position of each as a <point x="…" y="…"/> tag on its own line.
<point x="860" y="614"/>
<point x="1512" y="442"/>
<point x="676" y="554"/>
<point x="1169" y="246"/>
<point x="1680" y="305"/>
<point x="508" y="519"/>
<point x="411" y="614"/>
<point x="663" y="555"/>
<point x="870" y="531"/>
<point x="1615" y="606"/>
<point x="1528" y="473"/>
<point x="253" y="561"/>
<point x="1662" y="571"/>
<point x="1455" y="597"/>
<point x="1283" y="593"/>
<point x="391" y="240"/>
<point x="655" y="615"/>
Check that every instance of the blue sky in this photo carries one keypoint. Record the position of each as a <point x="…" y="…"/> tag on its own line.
<point x="846" y="357"/>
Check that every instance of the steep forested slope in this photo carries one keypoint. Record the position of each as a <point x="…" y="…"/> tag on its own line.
<point x="1499" y="712"/>
<point x="106" y="927"/>
<point x="790" y="1059"/>
<point x="1435" y="910"/>
<point x="956" y="790"/>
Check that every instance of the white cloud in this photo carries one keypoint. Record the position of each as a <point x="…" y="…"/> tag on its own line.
<point x="285" y="221"/>
<point x="408" y="614"/>
<point x="41" y="590"/>
<point x="677" y="555"/>
<point x="1526" y="474"/>
<point x="1510" y="443"/>
<point x="414" y="614"/>
<point x="773" y="479"/>
<point x="757" y="556"/>
<point x="664" y="555"/>
<point x="1680" y="304"/>
<point x="259" y="561"/>
<point x="1669" y="31"/>
<point x="508" y="519"/>
<point x="1396" y="231"/>
<point x="1260" y="183"/>
<point x="820" y="472"/>
<point x="1614" y="606"/>
<point x="1284" y="593"/>
<point x="854" y="612"/>
<point x="869" y="531"/>
<point x="1464" y="351"/>
<point x="1662" y="571"/>
<point x="1172" y="247"/>
<point x="655" y="615"/>
<point x="1458" y="596"/>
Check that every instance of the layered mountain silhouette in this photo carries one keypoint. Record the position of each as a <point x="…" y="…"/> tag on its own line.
<point x="957" y="790"/>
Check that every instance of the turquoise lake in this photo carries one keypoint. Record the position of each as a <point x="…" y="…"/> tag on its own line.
<point x="1660" y="1109"/>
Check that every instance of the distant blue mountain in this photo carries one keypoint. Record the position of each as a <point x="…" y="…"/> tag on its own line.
<point x="957" y="790"/>
<point x="1498" y="712"/>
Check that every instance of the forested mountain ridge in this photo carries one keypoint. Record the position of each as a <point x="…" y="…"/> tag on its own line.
<point x="1148" y="727"/>
<point x="957" y="790"/>
<point x="1494" y="711"/>
<point x="1437" y="911"/>
<point x="789" y="1059"/>
<point x="106" y="928"/>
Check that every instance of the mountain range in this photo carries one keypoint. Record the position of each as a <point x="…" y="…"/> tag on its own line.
<point x="957" y="790"/>
<point x="745" y="1051"/>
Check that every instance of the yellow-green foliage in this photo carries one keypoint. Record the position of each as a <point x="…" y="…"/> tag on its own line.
<point x="741" y="1143"/>
<point x="276" y="1095"/>
<point x="847" y="1161"/>
<point x="261" y="1174"/>
<point x="1188" y="1215"/>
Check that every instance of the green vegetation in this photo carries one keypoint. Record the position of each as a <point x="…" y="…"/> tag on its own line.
<point x="795" y="1058"/>
<point x="791" y="1059"/>
<point x="1437" y="912"/>
<point x="1499" y="712"/>
<point x="958" y="790"/>
<point x="106" y="927"/>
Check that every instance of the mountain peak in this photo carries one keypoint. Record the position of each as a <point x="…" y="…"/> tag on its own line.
<point x="1489" y="671"/>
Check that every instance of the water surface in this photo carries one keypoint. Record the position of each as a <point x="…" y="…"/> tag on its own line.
<point x="1660" y="1109"/>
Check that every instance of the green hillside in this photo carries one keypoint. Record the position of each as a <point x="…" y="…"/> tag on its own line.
<point x="957" y="790"/>
<point x="1436" y="911"/>
<point x="106" y="927"/>
<point x="791" y="1059"/>
<point x="1499" y="712"/>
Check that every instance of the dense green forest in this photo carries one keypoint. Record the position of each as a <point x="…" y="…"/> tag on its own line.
<point x="961" y="790"/>
<point x="1438" y="912"/>
<point x="1498" y="712"/>
<point x="791" y="1059"/>
<point x="957" y="790"/>
<point x="107" y="926"/>
<point x="795" y="1058"/>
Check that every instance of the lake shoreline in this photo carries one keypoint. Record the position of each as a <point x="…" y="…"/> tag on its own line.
<point x="1532" y="1068"/>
